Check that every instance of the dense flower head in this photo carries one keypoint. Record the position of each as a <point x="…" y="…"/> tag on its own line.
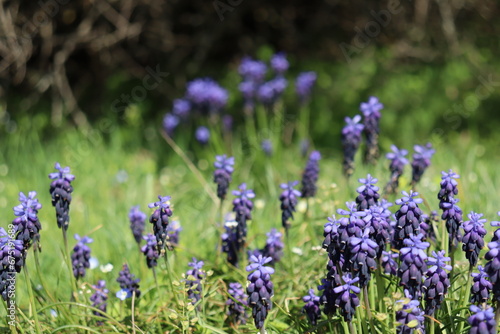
<point x="310" y="175"/>
<point x="260" y="289"/>
<point x="206" y="95"/>
<point x="81" y="256"/>
<point x="371" y="108"/>
<point x="150" y="250"/>
<point x="377" y="221"/>
<point x="230" y="242"/>
<point x="99" y="298"/>
<point x="426" y="226"/>
<point x="311" y="308"/>
<point x="407" y="218"/>
<point x="482" y="320"/>
<point x="248" y="89"/>
<point x="181" y="108"/>
<point x="12" y="259"/>
<point x="279" y="63"/>
<point x="396" y="166"/>
<point x="437" y="282"/>
<point x="202" y="135"/>
<point x="351" y="138"/>
<point x="267" y="147"/>
<point x="421" y="160"/>
<point x="452" y="214"/>
<point x="363" y="257"/>
<point x="304" y="84"/>
<point x="481" y="287"/>
<point x="173" y="231"/>
<point x="60" y="190"/>
<point x="472" y="240"/>
<point x="137" y="223"/>
<point x="236" y="304"/>
<point x="224" y="167"/>
<point x="449" y="185"/>
<point x="128" y="283"/>
<point x="242" y="206"/>
<point x="413" y="263"/>
<point x="350" y="227"/>
<point x="347" y="297"/>
<point x="389" y="265"/>
<point x="371" y="119"/>
<point x="269" y="92"/>
<point x="409" y="317"/>
<point x="332" y="233"/>
<point x="160" y="220"/>
<point x="274" y="246"/>
<point x="252" y="70"/>
<point x="27" y="224"/>
<point x="170" y="123"/>
<point x="492" y="267"/>
<point x="288" y="198"/>
<point x="193" y="281"/>
<point x="368" y="192"/>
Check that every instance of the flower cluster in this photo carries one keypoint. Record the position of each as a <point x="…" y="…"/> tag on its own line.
<point x="236" y="304"/>
<point x="347" y="297"/>
<point x="160" y="220"/>
<point x="413" y="259"/>
<point x="27" y="224"/>
<point x="128" y="284"/>
<point x="482" y="321"/>
<point x="81" y="256"/>
<point x="311" y="308"/>
<point x="60" y="190"/>
<point x="421" y="161"/>
<point x="310" y="175"/>
<point x="363" y="257"/>
<point x="368" y="193"/>
<point x="437" y="282"/>
<point x="137" y="223"/>
<point x="304" y="84"/>
<point x="150" y="250"/>
<point x="371" y="120"/>
<point x="193" y="281"/>
<point x="12" y="260"/>
<point x="398" y="162"/>
<point x="481" y="287"/>
<point x="224" y="167"/>
<point x="230" y="242"/>
<point x="288" y="198"/>
<point x="173" y="231"/>
<point x="351" y="138"/>
<point x="206" y="96"/>
<point x="242" y="206"/>
<point x="452" y="214"/>
<point x="99" y="298"/>
<point x="472" y="240"/>
<point x="260" y="288"/>
<point x="407" y="218"/>
<point x="274" y="246"/>
<point x="409" y="316"/>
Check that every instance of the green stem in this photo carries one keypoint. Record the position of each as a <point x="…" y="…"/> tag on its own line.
<point x="32" y="299"/>
<point x="158" y="293"/>
<point x="74" y="292"/>
<point x="368" y="310"/>
<point x="352" y="329"/>
<point x="380" y="282"/>
<point x="465" y="298"/>
<point x="431" y="325"/>
<point x="169" y="274"/>
<point x="133" y="311"/>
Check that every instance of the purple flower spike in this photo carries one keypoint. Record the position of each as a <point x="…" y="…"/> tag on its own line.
<point x="437" y="282"/>
<point x="267" y="147"/>
<point x="310" y="175"/>
<point x="452" y="214"/>
<point x="398" y="162"/>
<point x="99" y="299"/>
<point x="137" y="223"/>
<point x="492" y="268"/>
<point x="351" y="138"/>
<point x="260" y="289"/>
<point x="481" y="287"/>
<point x="279" y="63"/>
<point x="389" y="265"/>
<point x="288" y="200"/>
<point x="304" y="84"/>
<point x="27" y="225"/>
<point x="181" y="108"/>
<point x="274" y="246"/>
<point x="206" y="96"/>
<point x="421" y="160"/>
<point x="60" y="190"/>
<point x="409" y="317"/>
<point x="363" y="260"/>
<point x="170" y="123"/>
<point x="193" y="281"/>
<point x="377" y="220"/>
<point x="347" y="297"/>
<point x="413" y="264"/>
<point x="483" y="320"/>
<point x="368" y="193"/>
<point x="427" y="227"/>
<point x="242" y="206"/>
<point x="473" y="240"/>
<point x="449" y="186"/>
<point x="81" y="256"/>
<point x="224" y="167"/>
<point x="12" y="260"/>
<point x="371" y="113"/>
<point x="408" y="218"/>
<point x="311" y="308"/>
<point x="150" y="250"/>
<point x="230" y="244"/>
<point x="252" y="70"/>
<point x="128" y="283"/>
<point x="270" y="92"/>
<point x="160" y="220"/>
<point x="173" y="231"/>
<point x="236" y="304"/>
<point x="202" y="135"/>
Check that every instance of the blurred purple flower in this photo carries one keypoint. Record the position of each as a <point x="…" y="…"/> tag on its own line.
<point x="81" y="256"/>
<point x="421" y="160"/>
<point x="304" y="84"/>
<point x="288" y="198"/>
<point x="60" y="190"/>
<point x="260" y="289"/>
<point x="206" y="96"/>
<point x="224" y="167"/>
<point x="310" y="175"/>
<point x="311" y="308"/>
<point x="351" y="138"/>
<point x="137" y="223"/>
<point x="236" y="304"/>
<point x="279" y="63"/>
<point x="128" y="283"/>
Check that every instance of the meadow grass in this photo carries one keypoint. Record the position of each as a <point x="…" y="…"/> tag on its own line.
<point x="112" y="176"/>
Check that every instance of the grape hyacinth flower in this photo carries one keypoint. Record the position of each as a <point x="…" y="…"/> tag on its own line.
<point x="269" y="92"/>
<point x="350" y="227"/>
<point x="224" y="167"/>
<point x="368" y="193"/>
<point x="311" y="308"/>
<point x="202" y="135"/>
<point x="482" y="321"/>
<point x="248" y="89"/>
<point x="331" y="233"/>
<point x="242" y="206"/>
<point x="421" y="160"/>
<point x="252" y="70"/>
<point x="274" y="246"/>
<point x="413" y="264"/>
<point x="288" y="200"/>
<point x="206" y="96"/>
<point x="492" y="268"/>
<point x="170" y="123"/>
<point x="452" y="214"/>
<point x="160" y="221"/>
<point x="230" y="244"/>
<point x="99" y="299"/>
<point x="60" y="190"/>
<point x="81" y="256"/>
<point x="310" y="175"/>
<point x="193" y="281"/>
<point x="437" y="282"/>
<point x="347" y="297"/>
<point x="267" y="147"/>
<point x="128" y="283"/>
<point x="150" y="250"/>
<point x="12" y="260"/>
<point x="426" y="226"/>
<point x="181" y="108"/>
<point x="407" y="218"/>
<point x="351" y="138"/>
<point x="304" y="84"/>
<point x="371" y="113"/>
<point x="481" y="287"/>
<point x="409" y="316"/>
<point x="472" y="240"/>
<point x="363" y="257"/>
<point x="173" y="231"/>
<point x="27" y="225"/>
<point x="137" y="223"/>
<point x="260" y="289"/>
<point x="389" y="265"/>
<point x="279" y="63"/>
<point x="236" y="304"/>
<point x="449" y="186"/>
<point x="398" y="162"/>
<point x="377" y="220"/>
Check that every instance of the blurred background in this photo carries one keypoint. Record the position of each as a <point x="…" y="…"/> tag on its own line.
<point x="433" y="63"/>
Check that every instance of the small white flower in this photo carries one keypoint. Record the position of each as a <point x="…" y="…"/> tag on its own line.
<point x="106" y="268"/>
<point x="302" y="206"/>
<point x="53" y="313"/>
<point x="297" y="251"/>
<point x="122" y="294"/>
<point x="94" y="263"/>
<point x="259" y="203"/>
